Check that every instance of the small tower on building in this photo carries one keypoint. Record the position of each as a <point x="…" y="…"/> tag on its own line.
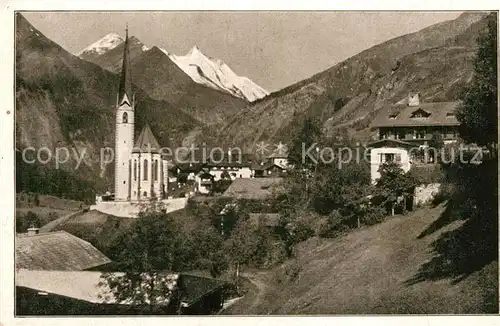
<point x="124" y="129"/>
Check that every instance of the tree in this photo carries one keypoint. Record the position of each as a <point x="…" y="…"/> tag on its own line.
<point x="436" y="143"/>
<point x="478" y="112"/>
<point x="307" y="136"/>
<point x="240" y="247"/>
<point x="394" y="185"/>
<point x="154" y="250"/>
<point x="473" y="188"/>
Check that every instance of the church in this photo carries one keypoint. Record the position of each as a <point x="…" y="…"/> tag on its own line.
<point x="140" y="170"/>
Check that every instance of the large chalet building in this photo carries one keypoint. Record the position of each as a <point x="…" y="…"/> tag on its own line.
<point x="401" y="132"/>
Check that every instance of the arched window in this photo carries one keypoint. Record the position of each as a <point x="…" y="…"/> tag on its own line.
<point x="135" y="170"/>
<point x="125" y="117"/>
<point x="155" y="171"/>
<point x="145" y="170"/>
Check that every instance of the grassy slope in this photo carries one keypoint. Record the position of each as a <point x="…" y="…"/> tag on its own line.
<point x="97" y="228"/>
<point x="375" y="270"/>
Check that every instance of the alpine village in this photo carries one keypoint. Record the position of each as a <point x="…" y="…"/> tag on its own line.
<point x="368" y="188"/>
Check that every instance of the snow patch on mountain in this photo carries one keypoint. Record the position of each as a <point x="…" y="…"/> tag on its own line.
<point x="216" y="74"/>
<point x="103" y="45"/>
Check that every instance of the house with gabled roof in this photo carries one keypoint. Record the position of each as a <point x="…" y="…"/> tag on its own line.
<point x="416" y="122"/>
<point x="402" y="132"/>
<point x="58" y="250"/>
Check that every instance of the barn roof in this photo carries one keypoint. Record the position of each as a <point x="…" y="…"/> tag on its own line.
<point x="91" y="286"/>
<point x="56" y="251"/>
<point x="195" y="287"/>
<point x="400" y="115"/>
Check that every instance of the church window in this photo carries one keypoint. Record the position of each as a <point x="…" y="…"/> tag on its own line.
<point x="155" y="171"/>
<point x="145" y="170"/>
<point x="135" y="170"/>
<point x="125" y="117"/>
<point x="145" y="194"/>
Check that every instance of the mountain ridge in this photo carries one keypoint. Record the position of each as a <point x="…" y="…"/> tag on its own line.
<point x="346" y="97"/>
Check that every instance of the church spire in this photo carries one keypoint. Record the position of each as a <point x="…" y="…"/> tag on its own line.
<point x="125" y="90"/>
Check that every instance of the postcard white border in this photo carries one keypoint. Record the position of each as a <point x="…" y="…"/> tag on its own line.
<point x="7" y="187"/>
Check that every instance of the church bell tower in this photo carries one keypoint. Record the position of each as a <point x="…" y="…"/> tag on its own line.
<point x="124" y="129"/>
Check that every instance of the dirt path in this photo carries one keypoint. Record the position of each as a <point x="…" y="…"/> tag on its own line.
<point x="248" y="304"/>
<point x="260" y="285"/>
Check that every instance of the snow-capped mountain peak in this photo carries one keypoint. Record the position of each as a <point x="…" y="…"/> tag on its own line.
<point x="216" y="74"/>
<point x="200" y="68"/>
<point x="108" y="42"/>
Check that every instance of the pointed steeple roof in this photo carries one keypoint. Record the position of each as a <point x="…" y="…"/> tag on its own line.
<point x="146" y="142"/>
<point x="125" y="89"/>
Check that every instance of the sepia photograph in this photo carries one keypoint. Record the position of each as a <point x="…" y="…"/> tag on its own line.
<point x="251" y="163"/>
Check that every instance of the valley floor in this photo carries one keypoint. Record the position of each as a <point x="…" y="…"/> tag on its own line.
<point x="390" y="268"/>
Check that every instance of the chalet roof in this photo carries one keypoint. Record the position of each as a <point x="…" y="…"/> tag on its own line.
<point x="279" y="154"/>
<point x="146" y="142"/>
<point x="205" y="175"/>
<point x="211" y="158"/>
<point x="56" y="251"/>
<point x="229" y="208"/>
<point x="400" y="115"/>
<point x="189" y="167"/>
<point x="266" y="166"/>
<point x="252" y="188"/>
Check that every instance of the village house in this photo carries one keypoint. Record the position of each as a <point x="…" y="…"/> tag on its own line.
<point x="403" y="132"/>
<point x="279" y="158"/>
<point x="233" y="165"/>
<point x="275" y="165"/>
<point x="268" y="169"/>
<point x="230" y="165"/>
<point x="204" y="182"/>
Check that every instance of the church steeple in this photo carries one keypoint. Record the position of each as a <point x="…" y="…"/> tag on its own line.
<point x="125" y="89"/>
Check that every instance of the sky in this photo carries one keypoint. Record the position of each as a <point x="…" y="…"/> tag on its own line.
<point x="274" y="49"/>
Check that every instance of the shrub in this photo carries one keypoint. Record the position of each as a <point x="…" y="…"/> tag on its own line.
<point x="374" y="215"/>
<point x="334" y="226"/>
